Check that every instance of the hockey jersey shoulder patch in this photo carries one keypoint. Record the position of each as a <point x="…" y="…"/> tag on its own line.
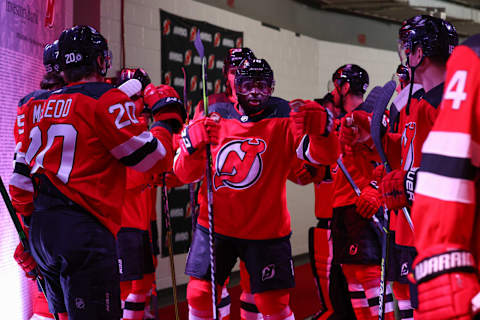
<point x="473" y="43"/>
<point x="434" y="96"/>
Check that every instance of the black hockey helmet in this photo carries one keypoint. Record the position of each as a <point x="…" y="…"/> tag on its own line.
<point x="134" y="73"/>
<point x="254" y="70"/>
<point x="436" y="36"/>
<point x="51" y="59"/>
<point x="80" y="46"/>
<point x="355" y="75"/>
<point x="235" y="56"/>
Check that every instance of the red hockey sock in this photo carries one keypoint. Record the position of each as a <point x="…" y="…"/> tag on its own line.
<point x="274" y="304"/>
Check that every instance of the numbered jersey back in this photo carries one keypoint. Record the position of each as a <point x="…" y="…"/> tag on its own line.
<point x="79" y="140"/>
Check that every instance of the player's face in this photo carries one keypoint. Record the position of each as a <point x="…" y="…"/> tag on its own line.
<point x="256" y="91"/>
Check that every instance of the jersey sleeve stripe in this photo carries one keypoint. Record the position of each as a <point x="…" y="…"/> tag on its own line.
<point x="151" y="158"/>
<point x="460" y="168"/>
<point x="451" y="144"/>
<point x="131" y="145"/>
<point x="21" y="182"/>
<point x="303" y="150"/>
<point x="445" y="188"/>
<point x="138" y="155"/>
<point x="22" y="168"/>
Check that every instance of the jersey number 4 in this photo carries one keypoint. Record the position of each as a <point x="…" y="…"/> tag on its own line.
<point x="68" y="134"/>
<point x="456" y="89"/>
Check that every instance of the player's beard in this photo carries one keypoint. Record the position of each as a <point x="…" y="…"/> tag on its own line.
<point x="252" y="105"/>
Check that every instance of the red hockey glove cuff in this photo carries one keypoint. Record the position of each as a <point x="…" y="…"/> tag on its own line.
<point x="25" y="260"/>
<point x="199" y="133"/>
<point x="348" y="134"/>
<point x="369" y="202"/>
<point x="310" y="118"/>
<point x="310" y="173"/>
<point x="446" y="285"/>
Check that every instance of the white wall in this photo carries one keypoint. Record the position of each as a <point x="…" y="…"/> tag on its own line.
<point x="302" y="67"/>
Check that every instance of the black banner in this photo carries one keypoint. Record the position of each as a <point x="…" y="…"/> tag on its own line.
<point x="178" y="51"/>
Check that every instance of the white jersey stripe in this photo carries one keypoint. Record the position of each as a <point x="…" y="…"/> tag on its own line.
<point x="305" y="154"/>
<point x="445" y="188"/>
<point x="21" y="182"/>
<point x="151" y="159"/>
<point x="452" y="144"/>
<point x="131" y="145"/>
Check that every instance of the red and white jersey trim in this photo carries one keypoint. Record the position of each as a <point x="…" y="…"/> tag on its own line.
<point x="151" y="159"/>
<point x="131" y="145"/>
<point x="445" y="188"/>
<point x="452" y="144"/>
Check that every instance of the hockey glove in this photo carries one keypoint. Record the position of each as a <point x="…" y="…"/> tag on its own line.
<point x="398" y="188"/>
<point x="369" y="201"/>
<point x="310" y="118"/>
<point x="199" y="133"/>
<point x="309" y="173"/>
<point x="166" y="106"/>
<point x="25" y="261"/>
<point x="378" y="173"/>
<point x="445" y="291"/>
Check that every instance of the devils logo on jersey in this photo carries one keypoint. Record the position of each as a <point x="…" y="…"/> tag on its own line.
<point x="239" y="164"/>
<point x="166" y="27"/>
<point x="216" y="39"/>
<point x="188" y="57"/>
<point x="407" y="144"/>
<point x="217" y="86"/>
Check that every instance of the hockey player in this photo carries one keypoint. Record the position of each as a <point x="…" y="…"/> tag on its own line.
<point x="247" y="138"/>
<point x="426" y="42"/>
<point x="445" y="210"/>
<point x="356" y="242"/>
<point x="52" y="79"/>
<point x="82" y="140"/>
<point x="134" y="250"/>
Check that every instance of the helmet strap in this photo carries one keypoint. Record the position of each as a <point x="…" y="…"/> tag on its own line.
<point x="412" y="77"/>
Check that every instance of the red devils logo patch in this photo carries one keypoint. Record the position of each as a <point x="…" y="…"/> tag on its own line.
<point x="408" y="137"/>
<point x="167" y="27"/>
<point x="193" y="33"/>
<point x="216" y="39"/>
<point x="211" y="61"/>
<point x="217" y="87"/>
<point x="168" y="78"/>
<point x="188" y="57"/>
<point x="239" y="164"/>
<point x="238" y="43"/>
<point x="193" y="83"/>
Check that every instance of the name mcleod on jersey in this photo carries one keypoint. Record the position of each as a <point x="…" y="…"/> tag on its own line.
<point x="239" y="164"/>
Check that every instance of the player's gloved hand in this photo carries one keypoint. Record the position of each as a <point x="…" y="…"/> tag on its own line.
<point x="378" y="173"/>
<point x="166" y="106"/>
<point x="369" y="201"/>
<point x="392" y="188"/>
<point x="25" y="261"/>
<point x="310" y="118"/>
<point x="309" y="173"/>
<point x="199" y="133"/>
<point x="398" y="188"/>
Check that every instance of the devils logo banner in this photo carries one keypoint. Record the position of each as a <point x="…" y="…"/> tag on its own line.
<point x="178" y="51"/>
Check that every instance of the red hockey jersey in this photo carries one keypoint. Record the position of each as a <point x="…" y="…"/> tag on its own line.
<point x="250" y="167"/>
<point x="85" y="136"/>
<point x="416" y="123"/>
<point x="445" y="211"/>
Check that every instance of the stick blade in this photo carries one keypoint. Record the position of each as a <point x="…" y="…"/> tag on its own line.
<point x="199" y="45"/>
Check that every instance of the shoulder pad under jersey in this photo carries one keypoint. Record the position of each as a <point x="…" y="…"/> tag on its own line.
<point x="279" y="107"/>
<point x="37" y="95"/>
<point x="434" y="96"/>
<point x="473" y="43"/>
<point x="91" y="89"/>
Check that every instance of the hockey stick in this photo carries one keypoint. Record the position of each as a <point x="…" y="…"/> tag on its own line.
<point x="357" y="191"/>
<point x="383" y="96"/>
<point x="191" y="186"/>
<point x="23" y="237"/>
<point x="168" y="227"/>
<point x="208" y="173"/>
